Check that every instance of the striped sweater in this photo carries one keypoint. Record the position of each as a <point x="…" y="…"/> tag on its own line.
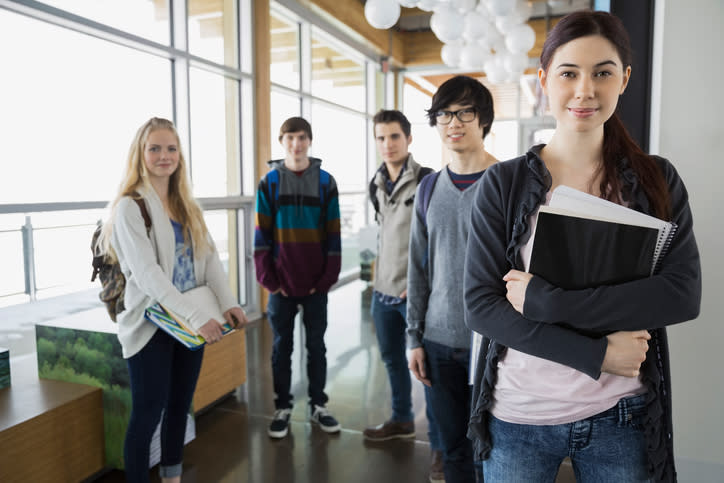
<point x="297" y="243"/>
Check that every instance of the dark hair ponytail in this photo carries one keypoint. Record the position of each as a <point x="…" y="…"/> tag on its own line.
<point x="617" y="142"/>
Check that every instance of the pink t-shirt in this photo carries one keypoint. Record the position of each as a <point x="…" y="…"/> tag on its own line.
<point x="531" y="390"/>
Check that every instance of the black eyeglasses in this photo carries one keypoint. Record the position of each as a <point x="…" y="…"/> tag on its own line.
<point x="464" y="115"/>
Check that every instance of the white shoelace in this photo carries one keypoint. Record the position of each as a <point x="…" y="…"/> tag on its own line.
<point x="282" y="413"/>
<point x="321" y="411"/>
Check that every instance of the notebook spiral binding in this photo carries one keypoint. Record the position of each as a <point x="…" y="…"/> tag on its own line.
<point x="662" y="247"/>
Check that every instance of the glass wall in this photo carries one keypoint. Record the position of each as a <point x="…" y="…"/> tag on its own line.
<point x="138" y="17"/>
<point x="71" y="104"/>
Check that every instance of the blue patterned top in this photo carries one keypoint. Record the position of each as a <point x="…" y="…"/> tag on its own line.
<point x="183" y="270"/>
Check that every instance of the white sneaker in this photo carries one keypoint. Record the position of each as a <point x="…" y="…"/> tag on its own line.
<point x="279" y="426"/>
<point x="324" y="418"/>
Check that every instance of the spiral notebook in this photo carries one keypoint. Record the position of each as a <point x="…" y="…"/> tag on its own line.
<point x="578" y="203"/>
<point x="582" y="241"/>
<point x="175" y="325"/>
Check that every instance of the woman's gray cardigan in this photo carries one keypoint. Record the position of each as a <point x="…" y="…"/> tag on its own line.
<point x="556" y="324"/>
<point x="147" y="262"/>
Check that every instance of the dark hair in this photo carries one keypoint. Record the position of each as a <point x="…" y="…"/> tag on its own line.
<point x="617" y="142"/>
<point x="387" y="116"/>
<point x="295" y="124"/>
<point x="462" y="89"/>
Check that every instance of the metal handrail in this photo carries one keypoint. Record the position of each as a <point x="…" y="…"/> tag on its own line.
<point x="212" y="203"/>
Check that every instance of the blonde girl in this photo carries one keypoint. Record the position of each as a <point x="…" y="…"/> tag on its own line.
<point x="175" y="255"/>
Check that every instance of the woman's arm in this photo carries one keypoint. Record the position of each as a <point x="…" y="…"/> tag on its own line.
<point x="671" y="296"/>
<point x="487" y="310"/>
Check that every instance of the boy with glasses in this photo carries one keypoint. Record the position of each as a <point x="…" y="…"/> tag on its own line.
<point x="438" y="339"/>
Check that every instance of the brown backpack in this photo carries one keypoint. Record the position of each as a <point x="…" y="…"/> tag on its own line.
<point x="109" y="272"/>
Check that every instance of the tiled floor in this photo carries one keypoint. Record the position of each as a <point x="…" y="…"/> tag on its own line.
<point x="232" y="445"/>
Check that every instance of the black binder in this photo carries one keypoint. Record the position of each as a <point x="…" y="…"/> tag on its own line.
<point x="573" y="252"/>
<point x="583" y="241"/>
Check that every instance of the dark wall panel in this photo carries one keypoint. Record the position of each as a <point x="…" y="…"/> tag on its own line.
<point x="635" y="104"/>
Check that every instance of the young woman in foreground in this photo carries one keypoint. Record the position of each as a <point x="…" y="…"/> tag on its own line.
<point x="549" y="384"/>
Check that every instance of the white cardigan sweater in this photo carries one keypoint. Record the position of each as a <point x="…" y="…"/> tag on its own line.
<point x="148" y="263"/>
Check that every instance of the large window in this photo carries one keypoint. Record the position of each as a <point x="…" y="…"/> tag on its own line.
<point x="343" y="154"/>
<point x="212" y="29"/>
<point x="284" y="51"/>
<point x="283" y="106"/>
<point x="339" y="139"/>
<point x="426" y="146"/>
<point x="214" y="134"/>
<point x="71" y="104"/>
<point x="140" y="17"/>
<point x="337" y="75"/>
<point x="70" y="107"/>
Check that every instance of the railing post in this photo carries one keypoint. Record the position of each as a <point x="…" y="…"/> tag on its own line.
<point x="29" y="259"/>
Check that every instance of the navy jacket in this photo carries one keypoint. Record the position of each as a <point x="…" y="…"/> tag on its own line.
<point x="556" y="321"/>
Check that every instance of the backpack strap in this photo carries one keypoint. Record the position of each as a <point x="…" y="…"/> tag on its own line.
<point x="99" y="259"/>
<point x="323" y="196"/>
<point x="372" y="190"/>
<point x="144" y="212"/>
<point x="272" y="183"/>
<point x="426" y="186"/>
<point x="424" y="171"/>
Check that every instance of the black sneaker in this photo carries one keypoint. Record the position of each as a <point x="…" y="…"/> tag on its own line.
<point x="326" y="421"/>
<point x="279" y="426"/>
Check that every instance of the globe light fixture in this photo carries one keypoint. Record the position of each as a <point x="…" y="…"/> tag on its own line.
<point x="382" y="14"/>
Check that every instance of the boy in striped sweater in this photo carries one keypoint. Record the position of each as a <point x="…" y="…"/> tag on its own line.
<point x="297" y="255"/>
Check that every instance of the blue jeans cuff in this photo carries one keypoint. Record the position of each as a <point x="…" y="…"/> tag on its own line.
<point x="402" y="418"/>
<point x="170" y="471"/>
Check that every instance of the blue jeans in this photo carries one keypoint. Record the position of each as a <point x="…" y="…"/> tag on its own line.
<point x="450" y="396"/>
<point x="163" y="378"/>
<point x="281" y="312"/>
<point x="609" y="446"/>
<point x="390" y="326"/>
<point x="433" y="432"/>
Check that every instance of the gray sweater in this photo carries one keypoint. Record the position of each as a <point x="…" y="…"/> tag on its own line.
<point x="435" y="290"/>
<point x="394" y="235"/>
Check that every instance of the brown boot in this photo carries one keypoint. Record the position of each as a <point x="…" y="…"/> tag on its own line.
<point x="436" y="472"/>
<point x="390" y="430"/>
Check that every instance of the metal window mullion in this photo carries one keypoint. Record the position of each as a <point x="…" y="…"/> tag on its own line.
<point x="305" y="68"/>
<point x="180" y="84"/>
<point x="371" y="103"/>
<point x="246" y="36"/>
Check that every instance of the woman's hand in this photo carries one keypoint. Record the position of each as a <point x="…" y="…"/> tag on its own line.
<point x="516" y="285"/>
<point x="236" y="318"/>
<point x="212" y="331"/>
<point x="625" y="353"/>
<point x="417" y="365"/>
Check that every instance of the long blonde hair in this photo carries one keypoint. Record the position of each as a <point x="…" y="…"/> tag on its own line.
<point x="180" y="197"/>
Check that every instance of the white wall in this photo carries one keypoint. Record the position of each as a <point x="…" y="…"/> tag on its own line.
<point x="688" y="128"/>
